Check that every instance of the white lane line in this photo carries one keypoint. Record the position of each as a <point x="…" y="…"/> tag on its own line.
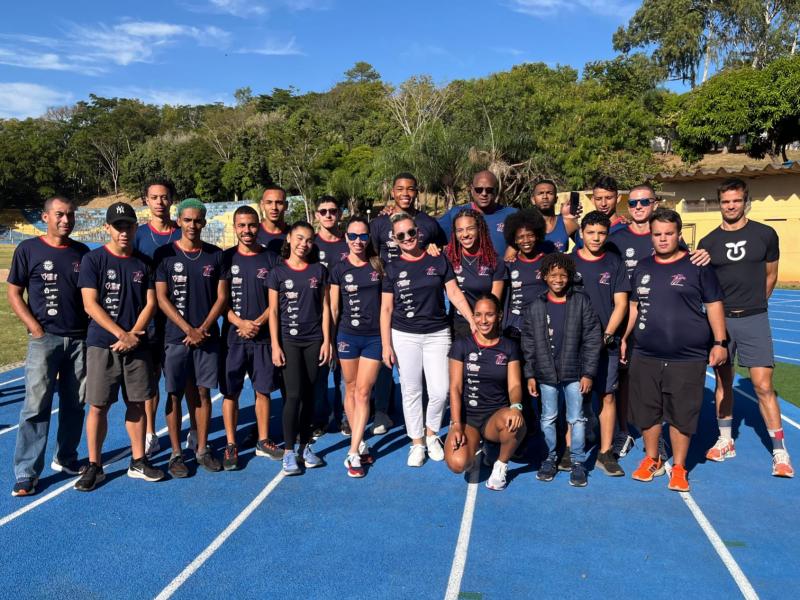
<point x="173" y="586"/>
<point x="12" y="381"/>
<point x="792" y="358"/>
<point x="462" y="545"/>
<point x="784" y="320"/>
<point x="785" y="329"/>
<point x="13" y="427"/>
<point x="783" y="312"/>
<point x="71" y="483"/>
<point x="787" y="341"/>
<point x="791" y="422"/>
<point x="719" y="546"/>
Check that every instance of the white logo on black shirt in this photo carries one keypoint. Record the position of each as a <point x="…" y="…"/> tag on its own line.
<point x="48" y="265"/>
<point x="288" y="284"/>
<point x="235" y="269"/>
<point x="178" y="267"/>
<point x="111" y="274"/>
<point x="736" y="250"/>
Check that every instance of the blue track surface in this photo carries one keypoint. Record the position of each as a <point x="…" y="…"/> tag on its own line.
<point x="394" y="534"/>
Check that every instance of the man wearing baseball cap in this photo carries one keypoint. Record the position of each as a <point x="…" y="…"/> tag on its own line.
<point x="119" y="296"/>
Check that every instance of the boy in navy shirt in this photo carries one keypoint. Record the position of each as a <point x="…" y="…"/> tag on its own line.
<point x="273" y="228"/>
<point x="192" y="292"/>
<point x="119" y="296"/>
<point x="47" y="268"/>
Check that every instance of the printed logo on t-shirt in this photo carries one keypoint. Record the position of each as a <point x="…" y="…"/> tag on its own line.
<point x="457" y="270"/>
<point x="111" y="274"/>
<point x="373" y="276"/>
<point x="138" y="276"/>
<point x="736" y="250"/>
<point x="501" y="359"/>
<point x="629" y="252"/>
<point x="235" y="269"/>
<point x="678" y="279"/>
<point x="501" y="227"/>
<point x="605" y="278"/>
<point x="208" y="270"/>
<point x="431" y="271"/>
<point x="178" y="267"/>
<point x="288" y="284"/>
<point x="349" y="278"/>
<point x="403" y="274"/>
<point x="76" y="267"/>
<point x="645" y="279"/>
<point x="262" y="273"/>
<point x="47" y="265"/>
<point x="473" y="356"/>
<point x="514" y="274"/>
<point x="483" y="271"/>
<point x="313" y="282"/>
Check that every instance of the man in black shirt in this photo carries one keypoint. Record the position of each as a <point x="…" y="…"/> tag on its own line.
<point x="745" y="255"/>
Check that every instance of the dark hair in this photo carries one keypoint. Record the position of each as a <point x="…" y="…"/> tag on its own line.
<point x="245" y="209"/>
<point x="372" y="256"/>
<point x="404" y="175"/>
<point x="48" y="204"/>
<point x="733" y="183"/>
<point x="498" y="308"/>
<point x="327" y="198"/>
<point x="487" y="256"/>
<point x="644" y="186"/>
<point x="606" y="183"/>
<point x="527" y="218"/>
<point x="163" y="181"/>
<point x="274" y="188"/>
<point x="544" y="181"/>
<point x="666" y="215"/>
<point x="557" y="260"/>
<point x="312" y="256"/>
<point x="595" y="218"/>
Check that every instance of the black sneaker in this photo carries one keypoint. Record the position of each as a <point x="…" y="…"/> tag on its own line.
<point x="565" y="464"/>
<point x="319" y="431"/>
<point x="142" y="469"/>
<point x="208" y="461"/>
<point x="25" y="487"/>
<point x="268" y="448"/>
<point x="345" y="429"/>
<point x="177" y="468"/>
<point x="70" y="468"/>
<point x="547" y="471"/>
<point x="607" y="463"/>
<point x="577" y="477"/>
<point x="230" y="461"/>
<point x="91" y="475"/>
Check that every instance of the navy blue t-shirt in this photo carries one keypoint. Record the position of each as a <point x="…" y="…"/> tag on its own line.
<point x="249" y="295"/>
<point x="121" y="283"/>
<point x="192" y="279"/>
<point x="418" y="288"/>
<point x="50" y="275"/>
<point x="148" y="240"/>
<point x="360" y="293"/>
<point x="558" y="237"/>
<point x="271" y="241"/>
<point x="301" y="293"/>
<point x="485" y="377"/>
<point x="556" y="312"/>
<point x="600" y="279"/>
<point x="631" y="247"/>
<point x="672" y="322"/>
<point x="526" y="284"/>
<point x="331" y="253"/>
<point x="380" y="228"/>
<point x="494" y="222"/>
<point x="475" y="279"/>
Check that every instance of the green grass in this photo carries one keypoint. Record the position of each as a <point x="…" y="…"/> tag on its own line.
<point x="6" y="252"/>
<point x="786" y="380"/>
<point x="13" y="336"/>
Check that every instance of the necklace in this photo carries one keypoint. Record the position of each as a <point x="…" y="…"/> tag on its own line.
<point x="152" y="237"/>
<point x="469" y="261"/>
<point x="199" y="253"/>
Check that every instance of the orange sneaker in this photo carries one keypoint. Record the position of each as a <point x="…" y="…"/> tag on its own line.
<point x="678" y="480"/>
<point x="722" y="449"/>
<point x="648" y="469"/>
<point x="781" y="464"/>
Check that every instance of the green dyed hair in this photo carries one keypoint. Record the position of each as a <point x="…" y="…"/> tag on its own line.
<point x="192" y="203"/>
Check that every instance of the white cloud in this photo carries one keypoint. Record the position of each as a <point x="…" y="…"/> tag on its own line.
<point x="21" y="100"/>
<point x="238" y="8"/>
<point x="507" y="50"/>
<point x="275" y="48"/>
<point x="547" y="8"/>
<point x="166" y="96"/>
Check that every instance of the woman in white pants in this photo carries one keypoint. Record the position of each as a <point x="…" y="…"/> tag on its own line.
<point x="415" y="334"/>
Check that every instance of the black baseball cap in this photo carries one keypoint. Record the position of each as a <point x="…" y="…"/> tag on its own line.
<point x="120" y="212"/>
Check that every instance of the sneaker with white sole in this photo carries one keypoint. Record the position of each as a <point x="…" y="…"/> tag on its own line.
<point x="290" y="466"/>
<point x="781" y="464"/>
<point x="416" y="456"/>
<point x="365" y="453"/>
<point x="91" y="475"/>
<point x="623" y="443"/>
<point x="310" y="459"/>
<point x="497" y="480"/>
<point x="191" y="440"/>
<point x="354" y="467"/>
<point x="723" y="448"/>
<point x="381" y="423"/>
<point x="70" y="468"/>
<point x="151" y="445"/>
<point x="435" y="448"/>
<point x="142" y="469"/>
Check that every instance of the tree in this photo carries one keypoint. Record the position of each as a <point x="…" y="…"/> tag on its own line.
<point x="29" y="152"/>
<point x="362" y="72"/>
<point x="418" y="104"/>
<point x="355" y="179"/>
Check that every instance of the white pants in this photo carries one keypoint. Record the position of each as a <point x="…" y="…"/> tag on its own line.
<point x="419" y="353"/>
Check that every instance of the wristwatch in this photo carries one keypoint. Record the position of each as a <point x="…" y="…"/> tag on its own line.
<point x="723" y="343"/>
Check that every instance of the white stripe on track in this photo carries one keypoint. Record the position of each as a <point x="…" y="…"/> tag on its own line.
<point x="71" y="483"/>
<point x="785" y="341"/>
<point x="792" y="358"/>
<point x="784" y="329"/>
<point x="791" y="422"/>
<point x="784" y="320"/>
<point x="13" y="427"/>
<point x="12" y="381"/>
<point x="173" y="586"/>
<point x="462" y="545"/>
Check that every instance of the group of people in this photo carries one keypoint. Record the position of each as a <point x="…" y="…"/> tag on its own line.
<point x="482" y="308"/>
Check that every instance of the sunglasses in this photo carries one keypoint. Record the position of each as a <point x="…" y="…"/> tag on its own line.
<point x="364" y="237"/>
<point x="481" y="190"/>
<point x="644" y="202"/>
<point x="324" y="212"/>
<point x="402" y="236"/>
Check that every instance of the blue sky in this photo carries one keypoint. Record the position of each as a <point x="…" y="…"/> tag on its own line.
<point x="193" y="51"/>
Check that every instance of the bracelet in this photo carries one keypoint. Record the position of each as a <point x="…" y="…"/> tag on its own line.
<point x="454" y="423"/>
<point x="516" y="405"/>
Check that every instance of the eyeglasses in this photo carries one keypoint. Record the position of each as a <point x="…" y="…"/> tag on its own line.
<point x="324" y="212"/>
<point x="364" y="237"/>
<point x="402" y="236"/>
<point x="644" y="202"/>
<point x="480" y="190"/>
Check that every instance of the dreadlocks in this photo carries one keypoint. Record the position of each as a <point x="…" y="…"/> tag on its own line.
<point x="487" y="256"/>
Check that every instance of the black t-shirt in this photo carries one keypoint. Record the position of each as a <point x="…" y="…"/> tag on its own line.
<point x="192" y="279"/>
<point x="485" y="377"/>
<point x="475" y="279"/>
<point x="121" y="283"/>
<point x="301" y="293"/>
<point x="249" y="295"/>
<point x="556" y="312"/>
<point x="672" y="322"/>
<point x="271" y="241"/>
<point x="418" y="288"/>
<point x="631" y="247"/>
<point x="331" y="253"/>
<point x="600" y="279"/>
<point x="380" y="228"/>
<point x="526" y="284"/>
<point x="50" y="275"/>
<point x="360" y="298"/>
<point x="739" y="258"/>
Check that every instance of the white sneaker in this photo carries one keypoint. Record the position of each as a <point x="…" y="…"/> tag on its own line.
<point x="381" y="424"/>
<point x="623" y="443"/>
<point x="416" y="455"/>
<point x="191" y="440"/>
<point x="435" y="448"/>
<point x="151" y="445"/>
<point x="781" y="464"/>
<point x="497" y="480"/>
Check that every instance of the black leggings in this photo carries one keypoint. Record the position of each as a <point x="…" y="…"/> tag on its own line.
<point x="299" y="377"/>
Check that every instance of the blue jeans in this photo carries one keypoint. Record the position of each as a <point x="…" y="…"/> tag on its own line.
<point x="574" y="402"/>
<point x="52" y="361"/>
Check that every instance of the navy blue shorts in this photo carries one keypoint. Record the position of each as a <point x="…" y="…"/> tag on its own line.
<point x="607" y="379"/>
<point x="254" y="360"/>
<point x="184" y="362"/>
<point x="350" y="347"/>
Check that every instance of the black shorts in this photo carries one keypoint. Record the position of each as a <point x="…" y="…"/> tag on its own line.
<point x="479" y="419"/>
<point x="662" y="390"/>
<point x="108" y="371"/>
<point x="253" y="360"/>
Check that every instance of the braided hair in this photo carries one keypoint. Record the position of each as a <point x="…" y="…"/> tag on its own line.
<point x="487" y="256"/>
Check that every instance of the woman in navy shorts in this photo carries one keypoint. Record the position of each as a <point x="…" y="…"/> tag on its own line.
<point x="355" y="296"/>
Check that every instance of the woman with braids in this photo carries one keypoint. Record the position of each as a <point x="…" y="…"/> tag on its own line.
<point x="355" y="307"/>
<point x="475" y="263"/>
<point x="485" y="394"/>
<point x="299" y="320"/>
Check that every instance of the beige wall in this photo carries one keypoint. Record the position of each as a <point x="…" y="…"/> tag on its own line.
<point x="780" y="187"/>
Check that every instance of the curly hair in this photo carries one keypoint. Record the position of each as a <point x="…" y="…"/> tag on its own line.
<point x="527" y="218"/>
<point x="487" y="256"/>
<point x="558" y="260"/>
